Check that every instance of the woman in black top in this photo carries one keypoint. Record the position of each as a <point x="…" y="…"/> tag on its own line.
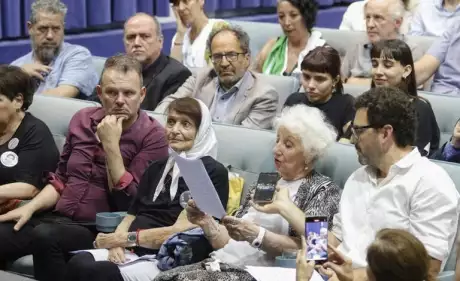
<point x="27" y="147"/>
<point x="392" y="65"/>
<point x="156" y="213"/>
<point x="324" y="90"/>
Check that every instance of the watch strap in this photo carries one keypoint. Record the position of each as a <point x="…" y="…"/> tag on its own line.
<point x="260" y="237"/>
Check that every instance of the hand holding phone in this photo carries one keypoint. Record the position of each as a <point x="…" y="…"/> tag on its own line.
<point x="316" y="230"/>
<point x="265" y="189"/>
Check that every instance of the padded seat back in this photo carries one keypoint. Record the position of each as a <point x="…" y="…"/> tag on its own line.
<point x="98" y="63"/>
<point x="57" y="113"/>
<point x="453" y="170"/>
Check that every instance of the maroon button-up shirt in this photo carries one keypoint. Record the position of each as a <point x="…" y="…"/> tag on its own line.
<point x="81" y="175"/>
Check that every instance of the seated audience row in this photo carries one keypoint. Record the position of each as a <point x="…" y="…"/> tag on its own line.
<point x="105" y="154"/>
<point x="397" y="187"/>
<point x="383" y="131"/>
<point x="250" y="238"/>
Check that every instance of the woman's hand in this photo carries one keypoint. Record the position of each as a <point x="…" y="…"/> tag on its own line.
<point x="338" y="268"/>
<point x="111" y="240"/>
<point x="117" y="255"/>
<point x="180" y="26"/>
<point x="241" y="230"/>
<point x="281" y="201"/>
<point x="304" y="270"/>
<point x="195" y="215"/>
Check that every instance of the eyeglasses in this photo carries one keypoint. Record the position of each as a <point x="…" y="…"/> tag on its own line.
<point x="358" y="130"/>
<point x="231" y="57"/>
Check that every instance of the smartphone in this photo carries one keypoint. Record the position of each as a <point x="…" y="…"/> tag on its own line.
<point x="265" y="189"/>
<point x="316" y="230"/>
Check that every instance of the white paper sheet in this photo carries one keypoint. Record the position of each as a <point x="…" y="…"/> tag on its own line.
<point x="103" y="254"/>
<point x="200" y="185"/>
<point x="273" y="273"/>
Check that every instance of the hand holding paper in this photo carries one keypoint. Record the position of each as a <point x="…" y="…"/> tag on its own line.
<point x="200" y="185"/>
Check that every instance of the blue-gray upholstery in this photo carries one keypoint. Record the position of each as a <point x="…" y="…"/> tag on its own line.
<point x="248" y="151"/>
<point x="98" y="63"/>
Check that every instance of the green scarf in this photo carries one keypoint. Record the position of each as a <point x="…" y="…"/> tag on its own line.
<point x="274" y="62"/>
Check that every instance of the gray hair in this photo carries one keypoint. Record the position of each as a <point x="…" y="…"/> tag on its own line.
<point x="158" y="29"/>
<point x="240" y="34"/>
<point x="47" y="6"/>
<point x="123" y="63"/>
<point x="311" y="126"/>
<point x="396" y="9"/>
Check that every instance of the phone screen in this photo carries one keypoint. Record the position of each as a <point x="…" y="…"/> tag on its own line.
<point x="316" y="238"/>
<point x="265" y="188"/>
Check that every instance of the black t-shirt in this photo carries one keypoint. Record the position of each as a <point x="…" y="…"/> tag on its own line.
<point x="339" y="109"/>
<point x="427" y="128"/>
<point x="29" y="154"/>
<point x="164" y="211"/>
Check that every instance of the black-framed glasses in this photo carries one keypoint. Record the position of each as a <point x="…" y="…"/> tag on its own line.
<point x="230" y="56"/>
<point x="358" y="130"/>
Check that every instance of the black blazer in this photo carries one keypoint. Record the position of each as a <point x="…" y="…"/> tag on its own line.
<point x="161" y="78"/>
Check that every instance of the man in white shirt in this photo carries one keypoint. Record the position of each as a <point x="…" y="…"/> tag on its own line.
<point x="397" y="187"/>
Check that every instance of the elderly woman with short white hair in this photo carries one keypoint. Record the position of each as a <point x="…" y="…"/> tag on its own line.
<point x="255" y="238"/>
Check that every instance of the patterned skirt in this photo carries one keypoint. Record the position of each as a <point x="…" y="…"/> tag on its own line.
<point x="198" y="272"/>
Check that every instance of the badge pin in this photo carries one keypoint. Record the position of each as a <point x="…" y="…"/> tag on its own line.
<point x="9" y="159"/>
<point x="13" y="143"/>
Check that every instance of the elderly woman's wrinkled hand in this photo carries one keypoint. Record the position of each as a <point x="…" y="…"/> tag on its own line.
<point x="241" y="230"/>
<point x="281" y="201"/>
<point x="195" y="215"/>
<point x="304" y="269"/>
<point x="338" y="268"/>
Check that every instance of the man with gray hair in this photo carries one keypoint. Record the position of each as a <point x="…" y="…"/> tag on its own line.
<point x="162" y="75"/>
<point x="59" y="68"/>
<point x="383" y="22"/>
<point x="234" y="94"/>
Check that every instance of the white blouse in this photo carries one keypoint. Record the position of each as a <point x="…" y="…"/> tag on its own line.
<point x="193" y="54"/>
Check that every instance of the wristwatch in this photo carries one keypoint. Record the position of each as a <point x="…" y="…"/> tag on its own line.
<point x="258" y="241"/>
<point x="132" y="238"/>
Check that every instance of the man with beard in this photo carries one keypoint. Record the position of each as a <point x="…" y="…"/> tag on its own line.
<point x="59" y="68"/>
<point x="234" y="94"/>
<point x="397" y="187"/>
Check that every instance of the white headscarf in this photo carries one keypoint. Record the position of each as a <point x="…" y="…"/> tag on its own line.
<point x="205" y="144"/>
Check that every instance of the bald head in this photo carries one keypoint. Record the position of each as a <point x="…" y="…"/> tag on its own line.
<point x="143" y="38"/>
<point x="383" y="19"/>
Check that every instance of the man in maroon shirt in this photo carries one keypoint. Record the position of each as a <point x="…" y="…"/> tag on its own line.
<point x="106" y="151"/>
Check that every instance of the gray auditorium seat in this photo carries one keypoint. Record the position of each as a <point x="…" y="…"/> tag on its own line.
<point x="98" y="63"/>
<point x="8" y="276"/>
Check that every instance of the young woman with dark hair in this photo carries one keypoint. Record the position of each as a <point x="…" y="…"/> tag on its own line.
<point x="324" y="90"/>
<point x="393" y="66"/>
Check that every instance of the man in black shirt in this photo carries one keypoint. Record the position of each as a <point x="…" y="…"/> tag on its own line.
<point x="162" y="75"/>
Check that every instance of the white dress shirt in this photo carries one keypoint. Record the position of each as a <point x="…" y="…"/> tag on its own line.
<point x="417" y="195"/>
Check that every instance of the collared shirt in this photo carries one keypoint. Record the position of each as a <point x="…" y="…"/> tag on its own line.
<point x="81" y="175"/>
<point x="357" y="61"/>
<point x="224" y="99"/>
<point x="432" y="19"/>
<point x="417" y="195"/>
<point x="447" y="49"/>
<point x="73" y="66"/>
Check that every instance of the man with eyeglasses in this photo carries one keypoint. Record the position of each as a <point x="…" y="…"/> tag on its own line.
<point x="58" y="68"/>
<point x="397" y="187"/>
<point x="234" y="94"/>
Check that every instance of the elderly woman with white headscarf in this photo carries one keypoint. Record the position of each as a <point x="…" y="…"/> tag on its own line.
<point x="253" y="238"/>
<point x="156" y="213"/>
